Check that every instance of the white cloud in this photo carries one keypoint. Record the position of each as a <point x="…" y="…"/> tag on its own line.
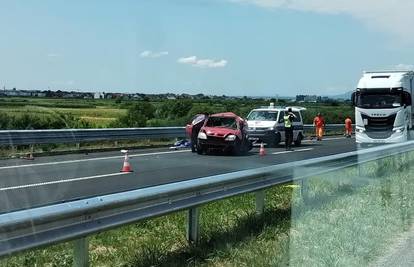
<point x="151" y="54"/>
<point x="53" y="55"/>
<point x="203" y="63"/>
<point x="403" y="67"/>
<point x="188" y="60"/>
<point x="391" y="16"/>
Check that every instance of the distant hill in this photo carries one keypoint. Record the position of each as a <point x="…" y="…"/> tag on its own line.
<point x="344" y="96"/>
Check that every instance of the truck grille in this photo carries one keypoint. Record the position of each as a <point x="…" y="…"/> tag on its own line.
<point x="379" y="124"/>
<point x="379" y="135"/>
<point x="379" y="127"/>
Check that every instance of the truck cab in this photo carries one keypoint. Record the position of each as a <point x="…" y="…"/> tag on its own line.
<point x="266" y="125"/>
<point x="383" y="107"/>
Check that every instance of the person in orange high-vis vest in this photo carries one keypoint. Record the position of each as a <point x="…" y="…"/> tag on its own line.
<point x="348" y="127"/>
<point x="319" y="123"/>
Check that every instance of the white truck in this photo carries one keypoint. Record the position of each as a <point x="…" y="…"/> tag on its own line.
<point x="383" y="107"/>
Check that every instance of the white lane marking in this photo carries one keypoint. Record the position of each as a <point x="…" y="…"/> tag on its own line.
<point x="92" y="159"/>
<point x="324" y="139"/>
<point x="61" y="181"/>
<point x="291" y="151"/>
<point x="313" y="140"/>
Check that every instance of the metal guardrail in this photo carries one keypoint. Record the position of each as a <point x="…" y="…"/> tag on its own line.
<point x="25" y="229"/>
<point x="61" y="136"/>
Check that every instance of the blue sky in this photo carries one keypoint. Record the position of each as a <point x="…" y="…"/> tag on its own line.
<point x="232" y="47"/>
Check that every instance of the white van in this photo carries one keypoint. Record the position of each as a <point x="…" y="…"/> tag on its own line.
<point x="266" y="125"/>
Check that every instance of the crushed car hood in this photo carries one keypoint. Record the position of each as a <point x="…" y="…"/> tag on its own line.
<point x="219" y="132"/>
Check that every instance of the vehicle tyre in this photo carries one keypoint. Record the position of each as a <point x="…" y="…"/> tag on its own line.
<point x="298" y="140"/>
<point x="249" y="145"/>
<point x="193" y="147"/>
<point x="361" y="145"/>
<point x="237" y="149"/>
<point x="276" y="141"/>
<point x="200" y="149"/>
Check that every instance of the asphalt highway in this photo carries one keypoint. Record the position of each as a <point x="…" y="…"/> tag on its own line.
<point x="55" y="179"/>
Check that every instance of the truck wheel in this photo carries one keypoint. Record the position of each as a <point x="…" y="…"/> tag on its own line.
<point x="361" y="146"/>
<point x="298" y="140"/>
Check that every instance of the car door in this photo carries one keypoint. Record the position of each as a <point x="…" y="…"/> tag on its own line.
<point x="297" y="124"/>
<point x="195" y="125"/>
<point x="281" y="126"/>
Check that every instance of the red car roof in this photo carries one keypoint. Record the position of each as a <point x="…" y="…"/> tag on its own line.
<point x="224" y="114"/>
<point x="228" y="115"/>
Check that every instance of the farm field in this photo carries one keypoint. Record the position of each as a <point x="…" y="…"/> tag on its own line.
<point x="49" y="113"/>
<point x="98" y="114"/>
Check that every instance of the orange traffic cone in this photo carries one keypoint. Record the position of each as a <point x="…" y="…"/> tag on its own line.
<point x="126" y="167"/>
<point x="262" y="151"/>
<point x="29" y="156"/>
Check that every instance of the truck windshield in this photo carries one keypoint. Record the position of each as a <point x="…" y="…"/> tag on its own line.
<point x="262" y="115"/>
<point x="379" y="100"/>
<point x="222" y="122"/>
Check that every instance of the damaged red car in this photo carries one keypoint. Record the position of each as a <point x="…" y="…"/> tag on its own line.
<point x="225" y="132"/>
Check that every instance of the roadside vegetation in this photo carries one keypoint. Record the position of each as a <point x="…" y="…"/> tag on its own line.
<point x="24" y="113"/>
<point x="349" y="218"/>
<point x="38" y="113"/>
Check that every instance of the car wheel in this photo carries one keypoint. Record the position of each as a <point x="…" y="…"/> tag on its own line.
<point x="298" y="140"/>
<point x="200" y="149"/>
<point x="249" y="145"/>
<point x="237" y="149"/>
<point x="276" y="141"/>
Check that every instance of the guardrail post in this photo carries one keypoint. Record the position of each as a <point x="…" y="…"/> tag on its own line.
<point x="260" y="201"/>
<point x="81" y="252"/>
<point x="193" y="226"/>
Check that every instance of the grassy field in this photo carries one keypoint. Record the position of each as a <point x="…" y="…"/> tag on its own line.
<point x="98" y="113"/>
<point x="348" y="219"/>
<point x="103" y="113"/>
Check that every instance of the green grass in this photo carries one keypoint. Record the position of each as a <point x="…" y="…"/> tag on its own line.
<point x="346" y="221"/>
<point x="101" y="113"/>
<point x="99" y="117"/>
<point x="353" y="220"/>
<point x="161" y="241"/>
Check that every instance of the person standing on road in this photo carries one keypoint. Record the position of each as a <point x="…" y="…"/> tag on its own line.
<point x="319" y="124"/>
<point x="288" y="119"/>
<point x="348" y="127"/>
